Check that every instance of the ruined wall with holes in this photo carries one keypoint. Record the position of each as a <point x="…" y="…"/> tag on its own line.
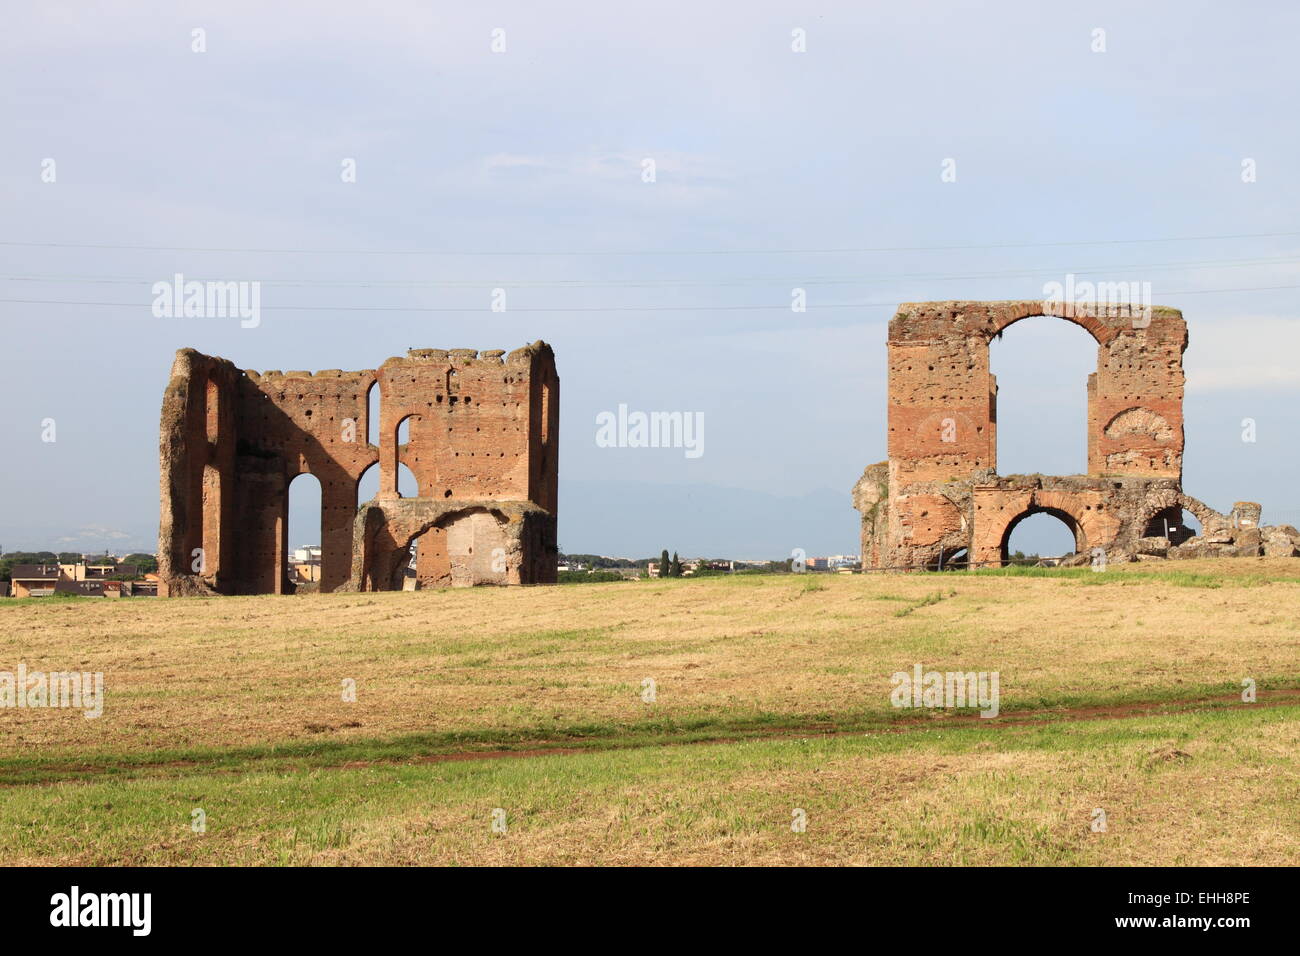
<point x="482" y="445"/>
<point x="939" y="493"/>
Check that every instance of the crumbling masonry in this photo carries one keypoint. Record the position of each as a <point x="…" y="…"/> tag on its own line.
<point x="939" y="500"/>
<point x="483" y="447"/>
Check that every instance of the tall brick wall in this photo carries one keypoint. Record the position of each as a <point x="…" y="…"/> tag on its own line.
<point x="943" y="399"/>
<point x="939" y="492"/>
<point x="482" y="429"/>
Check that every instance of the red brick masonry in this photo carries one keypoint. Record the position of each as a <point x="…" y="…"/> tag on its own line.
<point x="483" y="446"/>
<point x="939" y="492"/>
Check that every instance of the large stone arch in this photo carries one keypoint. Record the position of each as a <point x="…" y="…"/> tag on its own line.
<point x="1089" y="512"/>
<point x="1210" y="519"/>
<point x="462" y="548"/>
<point x="479" y="542"/>
<point x="1069" y="520"/>
<point x="1087" y="320"/>
<point x="1167" y="499"/>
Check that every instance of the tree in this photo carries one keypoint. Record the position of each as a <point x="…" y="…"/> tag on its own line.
<point x="147" y="563"/>
<point x="664" y="568"/>
<point x="677" y="566"/>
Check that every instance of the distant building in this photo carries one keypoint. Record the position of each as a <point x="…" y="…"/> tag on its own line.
<point x="700" y="564"/>
<point x="309" y="554"/>
<point x="83" y="588"/>
<point x="833" y="562"/>
<point x="34" y="580"/>
<point x="309" y="573"/>
<point x="44" y="580"/>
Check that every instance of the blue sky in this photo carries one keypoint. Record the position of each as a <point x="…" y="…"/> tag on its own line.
<point x="523" y="170"/>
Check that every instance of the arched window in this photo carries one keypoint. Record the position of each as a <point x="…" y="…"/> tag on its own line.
<point x="1040" y="534"/>
<point x="368" y="484"/>
<point x="1173" y="523"/>
<point x="374" y="396"/>
<point x="1041" y="365"/>
<point x="303" y="554"/>
<point x="407" y="486"/>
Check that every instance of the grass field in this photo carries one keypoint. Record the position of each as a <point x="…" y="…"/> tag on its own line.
<point x="1120" y="691"/>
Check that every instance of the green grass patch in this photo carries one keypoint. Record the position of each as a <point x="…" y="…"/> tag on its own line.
<point x="933" y="797"/>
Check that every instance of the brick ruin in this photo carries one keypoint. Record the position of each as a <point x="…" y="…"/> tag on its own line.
<point x="482" y="446"/>
<point x="938" y="500"/>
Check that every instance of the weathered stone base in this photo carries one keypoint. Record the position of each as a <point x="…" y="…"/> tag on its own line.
<point x="937" y="523"/>
<point x="461" y="544"/>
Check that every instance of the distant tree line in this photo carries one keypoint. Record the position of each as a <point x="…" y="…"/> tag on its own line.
<point x="599" y="561"/>
<point x="671" y="566"/>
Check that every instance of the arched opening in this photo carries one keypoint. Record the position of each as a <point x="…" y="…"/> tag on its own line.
<point x="1175" y="523"/>
<point x="409" y="570"/>
<point x="461" y="549"/>
<point x="956" y="559"/>
<point x="1041" y="533"/>
<point x="304" y="534"/>
<point x="430" y="566"/>
<point x="368" y="484"/>
<point x="407" y="486"/>
<point x="1040" y="406"/>
<point x="373" y="399"/>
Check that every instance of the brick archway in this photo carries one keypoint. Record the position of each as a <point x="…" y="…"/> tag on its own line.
<point x="939" y="374"/>
<point x="1089" y="514"/>
<point x="942" y="431"/>
<point x="1067" y="519"/>
<point x="1168" y="499"/>
<point x="1087" y="320"/>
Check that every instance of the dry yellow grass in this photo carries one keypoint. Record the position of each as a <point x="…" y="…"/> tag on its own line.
<point x="234" y="706"/>
<point x="228" y="672"/>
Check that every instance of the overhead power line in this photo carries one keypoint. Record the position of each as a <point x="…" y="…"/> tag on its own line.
<point x="812" y="307"/>
<point x="651" y="283"/>
<point x="641" y="252"/>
